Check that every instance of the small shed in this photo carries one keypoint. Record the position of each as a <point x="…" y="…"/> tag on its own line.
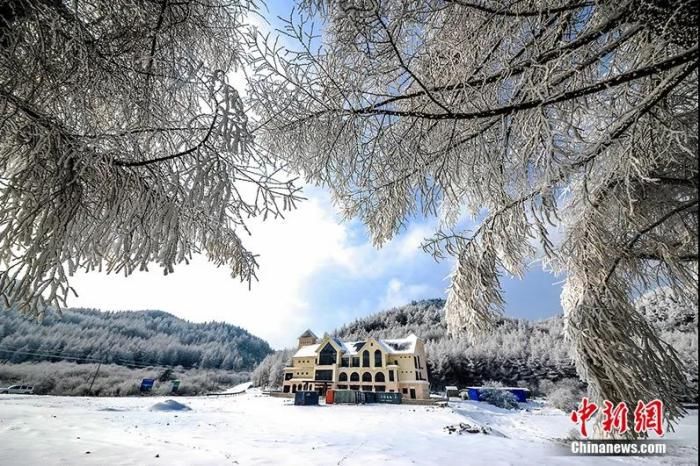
<point x="451" y="390"/>
<point x="306" y="398"/>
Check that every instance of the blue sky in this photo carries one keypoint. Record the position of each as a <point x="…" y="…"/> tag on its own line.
<point x="417" y="276"/>
<point x="315" y="272"/>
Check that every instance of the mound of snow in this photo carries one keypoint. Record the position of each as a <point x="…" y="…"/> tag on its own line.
<point x="170" y="405"/>
<point x="240" y="388"/>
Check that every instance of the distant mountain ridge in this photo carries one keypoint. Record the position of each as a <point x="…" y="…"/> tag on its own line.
<point x="131" y="338"/>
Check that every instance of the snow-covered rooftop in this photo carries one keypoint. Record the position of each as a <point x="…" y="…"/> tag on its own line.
<point x="306" y="351"/>
<point x="402" y="345"/>
<point x="350" y="348"/>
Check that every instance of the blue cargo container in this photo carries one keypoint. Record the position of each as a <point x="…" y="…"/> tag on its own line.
<point x="520" y="394"/>
<point x="306" y="398"/>
<point x="473" y="393"/>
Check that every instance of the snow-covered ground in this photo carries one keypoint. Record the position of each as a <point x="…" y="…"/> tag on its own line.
<point x="251" y="429"/>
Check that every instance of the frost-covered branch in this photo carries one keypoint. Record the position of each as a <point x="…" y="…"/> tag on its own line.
<point x="122" y="143"/>
<point x="573" y="116"/>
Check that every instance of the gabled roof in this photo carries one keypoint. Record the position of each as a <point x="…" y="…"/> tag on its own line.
<point x="308" y="333"/>
<point x="402" y="345"/>
<point x="351" y="348"/>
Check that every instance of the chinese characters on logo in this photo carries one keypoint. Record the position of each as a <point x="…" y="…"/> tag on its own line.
<point x="647" y="416"/>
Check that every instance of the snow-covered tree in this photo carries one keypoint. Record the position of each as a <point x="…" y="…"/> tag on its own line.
<point x="579" y="117"/>
<point x="123" y="143"/>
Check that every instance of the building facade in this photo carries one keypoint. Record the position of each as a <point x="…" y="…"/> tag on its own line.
<point x="371" y="365"/>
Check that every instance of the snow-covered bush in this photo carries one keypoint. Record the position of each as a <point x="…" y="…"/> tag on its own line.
<point x="68" y="378"/>
<point x="500" y="398"/>
<point x="544" y="387"/>
<point x="565" y="394"/>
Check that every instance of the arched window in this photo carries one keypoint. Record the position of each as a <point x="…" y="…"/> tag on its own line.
<point x="343" y="377"/>
<point x="379" y="377"/>
<point x="354" y="377"/>
<point x="365" y="358"/>
<point x="366" y="377"/>
<point x="377" y="358"/>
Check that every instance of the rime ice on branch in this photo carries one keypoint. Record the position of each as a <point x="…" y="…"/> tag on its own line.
<point x="574" y="117"/>
<point x="123" y="144"/>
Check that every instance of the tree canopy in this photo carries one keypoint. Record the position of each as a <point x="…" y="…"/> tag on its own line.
<point x="123" y="142"/>
<point x="564" y="129"/>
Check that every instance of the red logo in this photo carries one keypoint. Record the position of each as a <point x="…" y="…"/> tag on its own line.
<point x="615" y="417"/>
<point x="583" y="414"/>
<point x="647" y="416"/>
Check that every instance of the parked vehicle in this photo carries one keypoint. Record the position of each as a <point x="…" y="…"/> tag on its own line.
<point x="18" y="389"/>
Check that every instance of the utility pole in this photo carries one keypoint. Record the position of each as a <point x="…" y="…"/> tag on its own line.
<point x="95" y="375"/>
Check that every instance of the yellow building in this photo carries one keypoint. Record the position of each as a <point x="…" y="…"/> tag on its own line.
<point x="371" y="365"/>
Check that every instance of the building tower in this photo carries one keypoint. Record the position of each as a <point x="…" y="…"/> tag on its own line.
<point x="307" y="338"/>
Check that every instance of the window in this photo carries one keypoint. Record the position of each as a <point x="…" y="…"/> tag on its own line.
<point x="415" y="362"/>
<point x="377" y="358"/>
<point x="396" y="362"/>
<point x="342" y="387"/>
<point x="404" y="391"/>
<point x="354" y="377"/>
<point x="366" y="377"/>
<point x="366" y="388"/>
<point x="344" y="361"/>
<point x="365" y="358"/>
<point x="379" y="377"/>
<point x="327" y="356"/>
<point x="391" y="376"/>
<point x="379" y="388"/>
<point x="285" y="389"/>
<point x="294" y="388"/>
<point x="288" y="376"/>
<point x="354" y="387"/>
<point x="355" y="361"/>
<point x="343" y="377"/>
<point x="324" y="375"/>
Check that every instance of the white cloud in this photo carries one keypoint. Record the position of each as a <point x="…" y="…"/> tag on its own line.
<point x="398" y="293"/>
